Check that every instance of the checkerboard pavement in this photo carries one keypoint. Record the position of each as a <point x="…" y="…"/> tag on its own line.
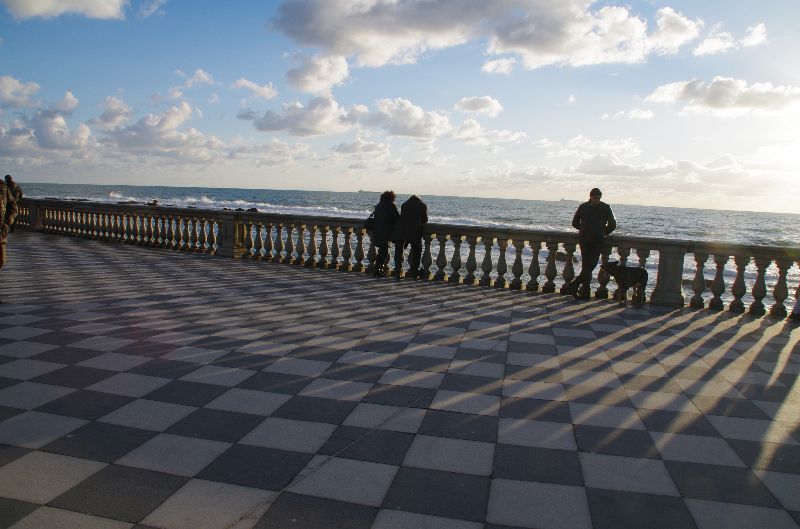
<point x="153" y="389"/>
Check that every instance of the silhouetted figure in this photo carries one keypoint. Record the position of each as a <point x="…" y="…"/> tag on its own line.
<point x="386" y="216"/>
<point x="16" y="192"/>
<point x="595" y="221"/>
<point x="408" y="232"/>
<point x="8" y="213"/>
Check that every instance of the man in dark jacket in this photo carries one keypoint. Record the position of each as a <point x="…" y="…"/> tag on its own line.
<point x="413" y="217"/>
<point x="386" y="216"/>
<point x="16" y="192"/>
<point x="8" y="212"/>
<point x="595" y="221"/>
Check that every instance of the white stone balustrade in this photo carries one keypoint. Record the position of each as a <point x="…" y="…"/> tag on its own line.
<point x="737" y="277"/>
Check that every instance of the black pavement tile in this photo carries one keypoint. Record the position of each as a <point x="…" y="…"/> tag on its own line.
<point x="61" y="337"/>
<point x="12" y="511"/>
<point x="276" y="383"/>
<point x="380" y="346"/>
<point x="149" y="349"/>
<point x="795" y="516"/>
<point x="538" y="348"/>
<point x="421" y="363"/>
<point x="677" y="422"/>
<point x="402" y="396"/>
<point x="445" y="494"/>
<point x="460" y="426"/>
<point x="771" y="393"/>
<point x="378" y="446"/>
<point x="133" y="333"/>
<point x="67" y="355"/>
<point x="611" y="509"/>
<point x="74" y="376"/>
<point x="85" y="404"/>
<point x="472" y="384"/>
<point x="54" y="323"/>
<point x="6" y="359"/>
<point x="776" y="457"/>
<point x="8" y="382"/>
<point x="253" y="362"/>
<point x="593" y="395"/>
<point x="690" y="372"/>
<point x="9" y="453"/>
<point x="315" y="409"/>
<point x="573" y="341"/>
<point x="728" y="407"/>
<point x="256" y="467"/>
<point x="584" y="364"/>
<point x="638" y="356"/>
<point x="524" y="463"/>
<point x="534" y="410"/>
<point x="187" y="393"/>
<point x="479" y="355"/>
<point x="100" y="442"/>
<point x="290" y="338"/>
<point x="720" y="483"/>
<point x="99" y="494"/>
<point x="354" y="372"/>
<point x="534" y="374"/>
<point x="615" y="441"/>
<point x="164" y="368"/>
<point x="6" y="412"/>
<point x="219" y="343"/>
<point x="648" y="383"/>
<point x="295" y="511"/>
<point x="216" y="425"/>
<point x="318" y="353"/>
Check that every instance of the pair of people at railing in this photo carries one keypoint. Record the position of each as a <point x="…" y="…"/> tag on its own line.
<point x="9" y="191"/>
<point x="403" y="228"/>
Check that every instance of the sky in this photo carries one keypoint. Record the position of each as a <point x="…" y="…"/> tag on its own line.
<point x="673" y="103"/>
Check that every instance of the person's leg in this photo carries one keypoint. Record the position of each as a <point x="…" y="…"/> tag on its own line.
<point x="399" y="246"/>
<point x="380" y="259"/>
<point x="414" y="257"/>
<point x="590" y="255"/>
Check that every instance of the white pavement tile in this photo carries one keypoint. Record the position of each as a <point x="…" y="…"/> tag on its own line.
<point x="30" y="395"/>
<point x="466" y="402"/>
<point x="102" y="343"/>
<point x="219" y="375"/>
<point x="478" y="369"/>
<point x="96" y="328"/>
<point x="450" y="455"/>
<point x="336" y="389"/>
<point x="129" y="384"/>
<point x="114" y="361"/>
<point x="348" y="480"/>
<point x="266" y="348"/>
<point x="39" y="477"/>
<point x="25" y="369"/>
<point x="533" y="360"/>
<point x="288" y="434"/>
<point x="594" y="379"/>
<point x="783" y="486"/>
<point x="201" y="504"/>
<point x="385" y="417"/>
<point x="445" y="352"/>
<point x="148" y="414"/>
<point x="197" y="355"/>
<point x="298" y="366"/>
<point x="608" y="416"/>
<point x="627" y="473"/>
<point x="542" y="339"/>
<point x="542" y="434"/>
<point x="709" y="388"/>
<point x="34" y="429"/>
<point x="174" y="454"/>
<point x="49" y="518"/>
<point x="523" y="389"/>
<point x="389" y="519"/>
<point x="751" y="429"/>
<point x="656" y="400"/>
<point x="695" y="448"/>
<point x="714" y="515"/>
<point x="24" y="349"/>
<point x="20" y="319"/>
<point x="538" y="505"/>
<point x="22" y="333"/>
<point x="249" y="401"/>
<point x="367" y="358"/>
<point x="407" y="377"/>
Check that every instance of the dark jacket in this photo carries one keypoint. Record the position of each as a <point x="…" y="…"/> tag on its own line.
<point x="595" y="223"/>
<point x="413" y="216"/>
<point x="386" y="216"/>
<point x="8" y="211"/>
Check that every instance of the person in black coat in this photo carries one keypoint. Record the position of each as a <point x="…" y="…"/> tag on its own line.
<point x="595" y="221"/>
<point x="413" y="217"/>
<point x="386" y="216"/>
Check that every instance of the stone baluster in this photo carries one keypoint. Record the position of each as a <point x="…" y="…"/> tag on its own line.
<point x="289" y="246"/>
<point x="569" y="267"/>
<point x="718" y="285"/>
<point x="323" y="248"/>
<point x="502" y="267"/>
<point x="759" y="287"/>
<point x="427" y="259"/>
<point x="347" y="250"/>
<point x="738" y="289"/>
<point x="334" y="264"/>
<point x="455" y="262"/>
<point x="486" y="264"/>
<point x="642" y="255"/>
<point x="250" y="241"/>
<point x="193" y="236"/>
<point x="781" y="290"/>
<point x="278" y="243"/>
<point x="312" y="245"/>
<point x="517" y="268"/>
<point x="301" y="244"/>
<point x="269" y="242"/>
<point x="472" y="264"/>
<point x="441" y="257"/>
<point x="372" y="254"/>
<point x="204" y="235"/>
<point x="795" y="314"/>
<point x="602" y="276"/>
<point x="359" y="266"/>
<point x="699" y="281"/>
<point x="550" y="270"/>
<point x="534" y="269"/>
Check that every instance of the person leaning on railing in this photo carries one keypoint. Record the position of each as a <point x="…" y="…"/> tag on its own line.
<point x="8" y="213"/>
<point x="16" y="192"/>
<point x="386" y="216"/>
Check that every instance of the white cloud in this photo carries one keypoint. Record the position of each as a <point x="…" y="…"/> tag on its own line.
<point x="724" y="96"/>
<point x="486" y="105"/>
<point x="718" y="41"/>
<point x="266" y="91"/>
<point x="213" y="99"/>
<point x="571" y="99"/>
<point x="360" y="146"/>
<point x="500" y="66"/>
<point x="636" y="113"/>
<point x="102" y="9"/>
<point x="16" y="94"/>
<point x="400" y="117"/>
<point x="322" y="115"/>
<point x="115" y="113"/>
<point x="275" y="152"/>
<point x="583" y="147"/>
<point x="200" y="77"/>
<point x="151" y="7"/>
<point x="472" y="132"/>
<point x="537" y="32"/>
<point x="318" y="74"/>
<point x="68" y="104"/>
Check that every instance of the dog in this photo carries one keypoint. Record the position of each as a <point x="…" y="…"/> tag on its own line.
<point x="627" y="277"/>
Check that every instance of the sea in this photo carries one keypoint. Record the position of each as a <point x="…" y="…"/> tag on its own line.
<point x="743" y="227"/>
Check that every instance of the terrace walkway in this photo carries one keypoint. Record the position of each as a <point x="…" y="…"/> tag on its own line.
<point x="168" y="390"/>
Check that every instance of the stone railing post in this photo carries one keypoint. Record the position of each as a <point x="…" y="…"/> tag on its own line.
<point x="550" y="270"/>
<point x="502" y="266"/>
<point x="669" y="283"/>
<point x="699" y="281"/>
<point x="455" y="262"/>
<point x="232" y="237"/>
<point x="759" y="287"/>
<point x="486" y="265"/>
<point x="472" y="264"/>
<point x="718" y="285"/>
<point x="781" y="290"/>
<point x="795" y="315"/>
<point x="569" y="268"/>
<point x="516" y="268"/>
<point x="738" y="289"/>
<point x="534" y="269"/>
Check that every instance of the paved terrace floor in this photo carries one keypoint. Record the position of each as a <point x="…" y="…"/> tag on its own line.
<point x="145" y="388"/>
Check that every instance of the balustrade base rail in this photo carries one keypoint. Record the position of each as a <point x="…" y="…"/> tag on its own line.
<point x="745" y="278"/>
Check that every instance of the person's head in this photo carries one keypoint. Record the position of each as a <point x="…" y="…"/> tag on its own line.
<point x="9" y="180"/>
<point x="388" y="196"/>
<point x="594" y="196"/>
